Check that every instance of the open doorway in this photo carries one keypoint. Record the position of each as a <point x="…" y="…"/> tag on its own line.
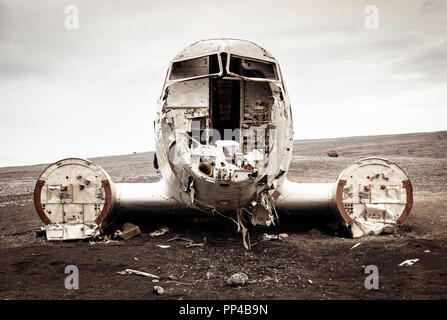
<point x="226" y="105"/>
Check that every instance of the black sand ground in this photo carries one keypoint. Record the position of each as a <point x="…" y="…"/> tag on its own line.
<point x="312" y="263"/>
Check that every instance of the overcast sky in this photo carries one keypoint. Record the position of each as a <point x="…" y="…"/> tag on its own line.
<point x="93" y="91"/>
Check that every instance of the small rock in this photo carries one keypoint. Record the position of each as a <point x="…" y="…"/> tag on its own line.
<point x="209" y="275"/>
<point x="155" y="281"/>
<point x="310" y="281"/>
<point x="332" y="153"/>
<point x="237" y="279"/>
<point x="159" y="290"/>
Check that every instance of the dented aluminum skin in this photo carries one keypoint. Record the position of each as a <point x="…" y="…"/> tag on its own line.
<point x="224" y="138"/>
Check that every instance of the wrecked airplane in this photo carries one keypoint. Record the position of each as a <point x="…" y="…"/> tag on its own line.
<point x="224" y="140"/>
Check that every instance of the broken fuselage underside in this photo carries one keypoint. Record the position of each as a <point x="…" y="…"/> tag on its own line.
<point x="224" y="139"/>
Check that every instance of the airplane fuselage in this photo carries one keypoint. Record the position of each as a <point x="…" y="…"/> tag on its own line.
<point x="224" y="126"/>
<point x="224" y="138"/>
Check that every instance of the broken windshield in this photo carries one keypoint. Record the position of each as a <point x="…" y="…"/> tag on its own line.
<point x="196" y="67"/>
<point x="250" y="68"/>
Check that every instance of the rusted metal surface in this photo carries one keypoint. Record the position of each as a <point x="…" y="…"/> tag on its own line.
<point x="409" y="190"/>
<point x="37" y="202"/>
<point x="339" y="200"/>
<point x="108" y="202"/>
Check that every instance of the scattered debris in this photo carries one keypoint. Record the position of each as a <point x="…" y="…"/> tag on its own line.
<point x="159" y="232"/>
<point x="268" y="237"/>
<point x="356" y="245"/>
<point x="237" y="279"/>
<point x="282" y="236"/>
<point x="129" y="230"/>
<point x="179" y="238"/>
<point x="427" y="251"/>
<point x="408" y="262"/>
<point x="178" y="283"/>
<point x="209" y="275"/>
<point x="190" y="244"/>
<point x="159" y="290"/>
<point x="332" y="153"/>
<point x="140" y="273"/>
<point x="102" y="240"/>
<point x="163" y="246"/>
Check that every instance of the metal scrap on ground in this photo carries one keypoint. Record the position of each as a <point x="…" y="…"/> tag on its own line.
<point x="140" y="273"/>
<point x="408" y="262"/>
<point x="129" y="230"/>
<point x="356" y="245"/>
<point x="102" y="240"/>
<point x="159" y="232"/>
<point x="190" y="244"/>
<point x="268" y="237"/>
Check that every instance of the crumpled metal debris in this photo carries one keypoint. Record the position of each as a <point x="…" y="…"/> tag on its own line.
<point x="129" y="230"/>
<point x="408" y="262"/>
<point x="102" y="240"/>
<point x="159" y="232"/>
<point x="190" y="244"/>
<point x="139" y="273"/>
<point x="268" y="237"/>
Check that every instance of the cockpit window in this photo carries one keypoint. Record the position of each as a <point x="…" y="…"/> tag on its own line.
<point x="196" y="67"/>
<point x="253" y="68"/>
